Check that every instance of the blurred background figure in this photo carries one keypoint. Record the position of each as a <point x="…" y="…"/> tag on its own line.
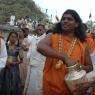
<point x="12" y="20"/>
<point x="25" y="40"/>
<point x="22" y="66"/>
<point x="3" y="52"/>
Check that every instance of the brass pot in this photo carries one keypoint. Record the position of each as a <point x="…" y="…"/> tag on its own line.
<point x="74" y="77"/>
<point x="9" y="59"/>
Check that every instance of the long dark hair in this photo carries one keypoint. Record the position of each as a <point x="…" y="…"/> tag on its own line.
<point x="79" y="31"/>
<point x="13" y="32"/>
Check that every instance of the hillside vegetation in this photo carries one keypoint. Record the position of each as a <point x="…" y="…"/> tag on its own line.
<point x="20" y="8"/>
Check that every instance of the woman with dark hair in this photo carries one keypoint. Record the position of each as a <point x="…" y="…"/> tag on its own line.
<point x="64" y="47"/>
<point x="12" y="78"/>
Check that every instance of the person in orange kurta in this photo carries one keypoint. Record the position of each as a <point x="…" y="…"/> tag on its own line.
<point x="94" y="84"/>
<point x="56" y="47"/>
<point x="90" y="42"/>
<point x="91" y="45"/>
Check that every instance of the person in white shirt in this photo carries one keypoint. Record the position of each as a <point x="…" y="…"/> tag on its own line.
<point x="33" y="85"/>
<point x="3" y="53"/>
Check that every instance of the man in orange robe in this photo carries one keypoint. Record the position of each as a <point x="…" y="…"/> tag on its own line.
<point x="54" y="83"/>
<point x="67" y="29"/>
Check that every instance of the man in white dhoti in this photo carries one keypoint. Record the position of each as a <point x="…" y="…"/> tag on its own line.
<point x="33" y="85"/>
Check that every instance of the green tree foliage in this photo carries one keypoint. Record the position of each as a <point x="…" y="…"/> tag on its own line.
<point x="20" y="8"/>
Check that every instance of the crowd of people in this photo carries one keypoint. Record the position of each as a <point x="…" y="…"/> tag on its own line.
<point x="27" y="22"/>
<point x="37" y="64"/>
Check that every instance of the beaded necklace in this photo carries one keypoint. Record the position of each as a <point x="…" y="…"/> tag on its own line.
<point x="60" y="48"/>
